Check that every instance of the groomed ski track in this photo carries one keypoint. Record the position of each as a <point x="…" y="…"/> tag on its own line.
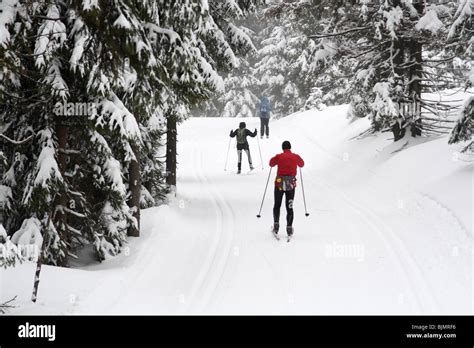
<point x="220" y="259"/>
<point x="207" y="253"/>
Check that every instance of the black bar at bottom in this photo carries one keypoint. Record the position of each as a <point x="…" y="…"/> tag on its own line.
<point x="450" y="331"/>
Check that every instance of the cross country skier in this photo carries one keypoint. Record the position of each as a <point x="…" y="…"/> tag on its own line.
<point x="264" y="109"/>
<point x="285" y="184"/>
<point x="242" y="144"/>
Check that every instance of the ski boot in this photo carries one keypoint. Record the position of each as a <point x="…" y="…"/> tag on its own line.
<point x="251" y="167"/>
<point x="275" y="228"/>
<point x="289" y="231"/>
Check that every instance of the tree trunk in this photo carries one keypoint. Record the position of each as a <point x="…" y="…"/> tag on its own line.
<point x="171" y="152"/>
<point x="415" y="75"/>
<point x="135" y="190"/>
<point x="60" y="216"/>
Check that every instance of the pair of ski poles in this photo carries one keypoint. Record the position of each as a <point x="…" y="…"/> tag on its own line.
<point x="266" y="186"/>
<point x="228" y="150"/>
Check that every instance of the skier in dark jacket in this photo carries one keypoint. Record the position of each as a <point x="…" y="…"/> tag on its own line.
<point x="285" y="184"/>
<point x="242" y="144"/>
<point x="264" y="110"/>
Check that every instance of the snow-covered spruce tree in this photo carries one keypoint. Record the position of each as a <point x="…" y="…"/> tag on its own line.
<point x="384" y="43"/>
<point x="31" y="41"/>
<point x="290" y="67"/>
<point x="231" y="52"/>
<point x="226" y="37"/>
<point x="284" y="68"/>
<point x="239" y="99"/>
<point x="461" y="37"/>
<point x="82" y="174"/>
<point x="186" y="59"/>
<point x="273" y="67"/>
<point x="461" y="41"/>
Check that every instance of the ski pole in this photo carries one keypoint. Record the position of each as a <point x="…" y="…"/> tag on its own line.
<point x="261" y="160"/>
<point x="227" y="157"/>
<point x="304" y="198"/>
<point x="264" y="193"/>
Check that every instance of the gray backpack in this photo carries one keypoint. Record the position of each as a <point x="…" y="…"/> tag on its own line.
<point x="241" y="136"/>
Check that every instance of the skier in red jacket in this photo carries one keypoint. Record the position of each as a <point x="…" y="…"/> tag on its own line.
<point x="285" y="184"/>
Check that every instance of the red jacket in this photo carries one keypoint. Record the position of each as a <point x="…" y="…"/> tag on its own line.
<point x="287" y="163"/>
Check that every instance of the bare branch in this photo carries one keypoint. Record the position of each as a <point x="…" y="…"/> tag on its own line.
<point x="321" y="36"/>
<point x="7" y="305"/>
<point x="16" y="142"/>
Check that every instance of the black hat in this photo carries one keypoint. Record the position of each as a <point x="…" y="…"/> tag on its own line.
<point x="286" y="145"/>
<point x="242" y="125"/>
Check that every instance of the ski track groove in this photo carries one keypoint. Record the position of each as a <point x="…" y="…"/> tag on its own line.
<point x="417" y="281"/>
<point x="409" y="266"/>
<point x="410" y="269"/>
<point x="228" y="232"/>
<point x="210" y="275"/>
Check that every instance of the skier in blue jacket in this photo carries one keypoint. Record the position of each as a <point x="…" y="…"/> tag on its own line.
<point x="264" y="109"/>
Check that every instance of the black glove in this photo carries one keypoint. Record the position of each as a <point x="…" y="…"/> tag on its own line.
<point x="230" y="134"/>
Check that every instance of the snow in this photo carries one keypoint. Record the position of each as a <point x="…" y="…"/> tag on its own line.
<point x="211" y="75"/>
<point x="77" y="52"/>
<point x="394" y="17"/>
<point x="464" y="11"/>
<point x="114" y="173"/>
<point x="383" y="103"/>
<point x="51" y="36"/>
<point x="47" y="167"/>
<point x="122" y="22"/>
<point x="8" y="251"/>
<point x="55" y="80"/>
<point x="238" y="37"/>
<point x="390" y="232"/>
<point x="5" y="196"/>
<point x="88" y="5"/>
<point x="118" y="116"/>
<point x="7" y="16"/>
<point x="29" y="234"/>
<point x="430" y="21"/>
<point x="328" y="50"/>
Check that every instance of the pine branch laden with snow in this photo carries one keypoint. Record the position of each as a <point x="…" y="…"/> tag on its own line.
<point x="29" y="238"/>
<point x="9" y="255"/>
<point x="8" y="13"/>
<point x="462" y="17"/>
<point x="51" y="36"/>
<point x="463" y="130"/>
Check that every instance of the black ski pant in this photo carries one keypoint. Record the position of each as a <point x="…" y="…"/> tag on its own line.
<point x="289" y="197"/>
<point x="264" y="126"/>
<point x="240" y="148"/>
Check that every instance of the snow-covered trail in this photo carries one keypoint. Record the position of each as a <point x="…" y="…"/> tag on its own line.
<point x="366" y="248"/>
<point x="344" y="258"/>
<point x="247" y="271"/>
